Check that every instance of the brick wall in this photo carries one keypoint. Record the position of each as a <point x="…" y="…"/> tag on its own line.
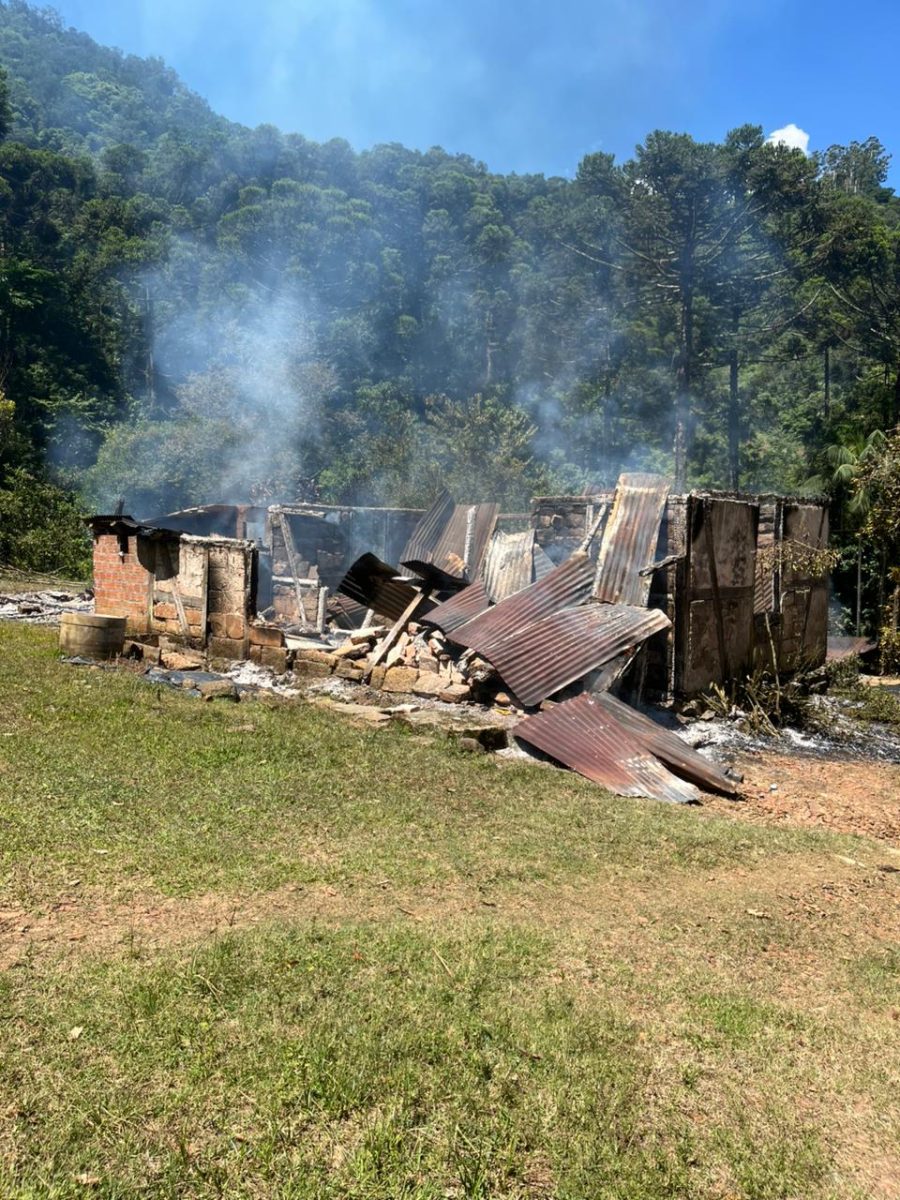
<point x="179" y="564"/>
<point x="121" y="582"/>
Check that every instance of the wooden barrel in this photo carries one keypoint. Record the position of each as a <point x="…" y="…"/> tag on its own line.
<point x="91" y="635"/>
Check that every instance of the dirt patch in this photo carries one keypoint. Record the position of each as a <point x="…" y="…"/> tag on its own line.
<point x="823" y="891"/>
<point x="857" y="797"/>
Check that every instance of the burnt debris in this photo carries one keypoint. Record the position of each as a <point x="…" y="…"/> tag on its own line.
<point x="545" y="614"/>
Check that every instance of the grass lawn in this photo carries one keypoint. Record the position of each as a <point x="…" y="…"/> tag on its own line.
<point x="256" y="951"/>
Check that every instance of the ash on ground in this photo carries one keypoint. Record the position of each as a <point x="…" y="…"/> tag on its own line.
<point x="44" y="608"/>
<point x="834" y="732"/>
<point x="250" y="676"/>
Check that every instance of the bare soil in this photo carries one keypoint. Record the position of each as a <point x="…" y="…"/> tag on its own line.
<point x="859" y="893"/>
<point x="857" y="797"/>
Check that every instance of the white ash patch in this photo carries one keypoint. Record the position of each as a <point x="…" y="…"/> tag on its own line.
<point x="43" y="608"/>
<point x="335" y="687"/>
<point x="835" y="735"/>
<point x="252" y="675"/>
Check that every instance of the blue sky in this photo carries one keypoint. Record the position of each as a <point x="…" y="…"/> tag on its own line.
<point x="525" y="85"/>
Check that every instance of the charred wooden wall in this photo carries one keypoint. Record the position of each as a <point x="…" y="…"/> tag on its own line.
<point x="744" y="577"/>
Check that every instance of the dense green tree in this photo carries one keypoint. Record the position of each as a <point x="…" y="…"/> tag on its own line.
<point x="190" y="309"/>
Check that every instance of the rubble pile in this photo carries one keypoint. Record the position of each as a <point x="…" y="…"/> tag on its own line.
<point x="543" y="614"/>
<point x="419" y="662"/>
<point x="491" y="620"/>
<point x="44" y="608"/>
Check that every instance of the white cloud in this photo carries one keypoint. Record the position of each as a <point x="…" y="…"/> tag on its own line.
<point x="791" y="135"/>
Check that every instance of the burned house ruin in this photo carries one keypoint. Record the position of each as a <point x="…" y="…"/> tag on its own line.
<point x="720" y="572"/>
<point x="653" y="595"/>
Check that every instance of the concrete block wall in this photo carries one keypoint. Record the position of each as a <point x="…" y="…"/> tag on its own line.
<point x="230" y="597"/>
<point x="561" y="523"/>
<point x="214" y="578"/>
<point x="179" y="566"/>
<point x="121" y="581"/>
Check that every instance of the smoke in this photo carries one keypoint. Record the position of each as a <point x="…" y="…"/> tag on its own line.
<point x="521" y="84"/>
<point x="239" y="389"/>
<point x="263" y="385"/>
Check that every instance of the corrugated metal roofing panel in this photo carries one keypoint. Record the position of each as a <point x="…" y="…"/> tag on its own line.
<point x="508" y="564"/>
<point x="375" y="584"/>
<point x="460" y="608"/>
<point x="543" y="563"/>
<point x="565" y="585"/>
<point x="538" y="659"/>
<point x="346" y="613"/>
<point x="630" y="538"/>
<point x="424" y="538"/>
<point x="448" y="544"/>
<point x="667" y="746"/>
<point x="584" y="735"/>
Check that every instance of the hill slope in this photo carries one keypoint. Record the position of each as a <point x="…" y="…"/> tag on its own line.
<point x="194" y="309"/>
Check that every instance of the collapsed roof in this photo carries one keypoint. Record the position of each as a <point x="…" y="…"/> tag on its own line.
<point x="634" y="589"/>
<point x="544" y="628"/>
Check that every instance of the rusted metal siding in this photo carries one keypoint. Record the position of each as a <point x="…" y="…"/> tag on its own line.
<point x="449" y="543"/>
<point x="373" y="583"/>
<point x="508" y="565"/>
<point x="584" y="735"/>
<point x="459" y="609"/>
<point x="543" y="563"/>
<point x="564" y="586"/>
<point x="427" y="533"/>
<point x="540" y="658"/>
<point x="630" y="539"/>
<point x="669" y="748"/>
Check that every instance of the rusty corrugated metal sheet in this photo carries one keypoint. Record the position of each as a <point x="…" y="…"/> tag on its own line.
<point x="437" y="546"/>
<point x="346" y="613"/>
<point x="375" y="584"/>
<point x="584" y="735"/>
<point x="669" y="748"/>
<point x="426" y="535"/>
<point x="543" y="564"/>
<point x="540" y="658"/>
<point x="630" y="538"/>
<point x="460" y="608"/>
<point x="565" y="585"/>
<point x="508" y="564"/>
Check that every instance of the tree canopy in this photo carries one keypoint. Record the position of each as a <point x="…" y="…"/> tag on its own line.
<point x="192" y="310"/>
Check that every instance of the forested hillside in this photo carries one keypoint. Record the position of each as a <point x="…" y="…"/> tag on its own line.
<point x="193" y="310"/>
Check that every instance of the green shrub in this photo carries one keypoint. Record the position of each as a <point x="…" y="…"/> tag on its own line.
<point x="889" y="650"/>
<point x="41" y="528"/>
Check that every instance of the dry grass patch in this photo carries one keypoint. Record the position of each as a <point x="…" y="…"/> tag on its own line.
<point x="308" y="960"/>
